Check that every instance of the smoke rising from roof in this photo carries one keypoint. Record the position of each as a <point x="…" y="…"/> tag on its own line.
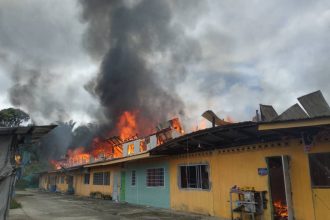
<point x="128" y="36"/>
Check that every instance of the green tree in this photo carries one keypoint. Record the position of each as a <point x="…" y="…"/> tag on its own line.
<point x="12" y="117"/>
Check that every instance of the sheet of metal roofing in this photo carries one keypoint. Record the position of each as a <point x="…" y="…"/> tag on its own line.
<point x="36" y="132"/>
<point x="238" y="134"/>
<point x="213" y="118"/>
<point x="267" y="112"/>
<point x="294" y="112"/>
<point x="315" y="104"/>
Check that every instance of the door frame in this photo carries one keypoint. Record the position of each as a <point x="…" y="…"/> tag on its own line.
<point x="285" y="160"/>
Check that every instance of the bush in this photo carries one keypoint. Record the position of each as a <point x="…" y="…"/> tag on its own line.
<point x="99" y="195"/>
<point x="14" y="204"/>
<point x="96" y="194"/>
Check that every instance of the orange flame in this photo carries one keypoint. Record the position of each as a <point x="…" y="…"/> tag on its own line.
<point x="104" y="149"/>
<point x="78" y="157"/>
<point x="56" y="164"/>
<point x="280" y="209"/>
<point x="127" y="125"/>
<point x="229" y="119"/>
<point x="175" y="124"/>
<point x="201" y="124"/>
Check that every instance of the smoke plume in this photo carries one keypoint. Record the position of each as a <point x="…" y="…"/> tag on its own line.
<point x="132" y="37"/>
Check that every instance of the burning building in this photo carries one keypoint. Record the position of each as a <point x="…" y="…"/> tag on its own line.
<point x="275" y="167"/>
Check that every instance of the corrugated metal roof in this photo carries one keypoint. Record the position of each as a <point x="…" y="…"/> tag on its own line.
<point x="36" y="132"/>
<point x="236" y="134"/>
<point x="294" y="112"/>
<point x="210" y="116"/>
<point x="315" y="104"/>
<point x="267" y="112"/>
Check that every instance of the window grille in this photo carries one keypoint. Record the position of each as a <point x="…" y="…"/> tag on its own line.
<point x="101" y="178"/>
<point x="106" y="178"/>
<point x="98" y="178"/>
<point x="155" y="177"/>
<point x="133" y="178"/>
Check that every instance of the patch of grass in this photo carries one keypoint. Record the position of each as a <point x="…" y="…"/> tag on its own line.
<point x="14" y="204"/>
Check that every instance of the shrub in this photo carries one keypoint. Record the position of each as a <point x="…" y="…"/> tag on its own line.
<point x="14" y="204"/>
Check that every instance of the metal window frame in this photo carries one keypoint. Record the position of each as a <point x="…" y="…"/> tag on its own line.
<point x="134" y="178"/>
<point x="155" y="168"/>
<point x="193" y="164"/>
<point x="104" y="178"/>
<point x="310" y="171"/>
<point x="98" y="178"/>
<point x="89" y="178"/>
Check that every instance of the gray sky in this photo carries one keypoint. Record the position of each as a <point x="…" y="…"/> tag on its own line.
<point x="249" y="52"/>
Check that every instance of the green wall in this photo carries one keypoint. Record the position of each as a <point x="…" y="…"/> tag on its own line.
<point x="140" y="193"/>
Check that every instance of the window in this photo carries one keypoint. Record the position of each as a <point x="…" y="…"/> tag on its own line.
<point x="155" y="177"/>
<point x="194" y="177"/>
<point x="86" y="178"/>
<point x="133" y="178"/>
<point x="130" y="149"/>
<point x="62" y="179"/>
<point x="143" y="146"/>
<point x="106" y="180"/>
<point x="101" y="178"/>
<point x="320" y="169"/>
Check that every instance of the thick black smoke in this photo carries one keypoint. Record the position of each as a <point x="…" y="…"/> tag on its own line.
<point x="129" y="35"/>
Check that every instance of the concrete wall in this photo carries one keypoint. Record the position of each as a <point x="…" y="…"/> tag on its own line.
<point x="240" y="168"/>
<point x="140" y="193"/>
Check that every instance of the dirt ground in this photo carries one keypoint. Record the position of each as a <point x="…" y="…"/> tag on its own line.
<point x="38" y="205"/>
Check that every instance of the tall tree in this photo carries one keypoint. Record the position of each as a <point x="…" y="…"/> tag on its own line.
<point x="12" y="117"/>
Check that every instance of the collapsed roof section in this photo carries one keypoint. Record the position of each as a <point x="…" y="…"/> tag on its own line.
<point x="314" y="105"/>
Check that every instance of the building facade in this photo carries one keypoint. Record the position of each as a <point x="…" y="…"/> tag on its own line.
<point x="287" y="161"/>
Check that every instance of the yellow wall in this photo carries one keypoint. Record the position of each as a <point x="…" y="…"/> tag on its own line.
<point x="62" y="187"/>
<point x="85" y="189"/>
<point x="79" y="186"/>
<point x="43" y="181"/>
<point x="322" y="203"/>
<point x="240" y="168"/>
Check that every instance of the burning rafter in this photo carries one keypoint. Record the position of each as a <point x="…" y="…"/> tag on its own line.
<point x="126" y="143"/>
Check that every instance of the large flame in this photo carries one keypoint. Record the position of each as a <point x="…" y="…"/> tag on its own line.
<point x="127" y="126"/>
<point x="56" y="164"/>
